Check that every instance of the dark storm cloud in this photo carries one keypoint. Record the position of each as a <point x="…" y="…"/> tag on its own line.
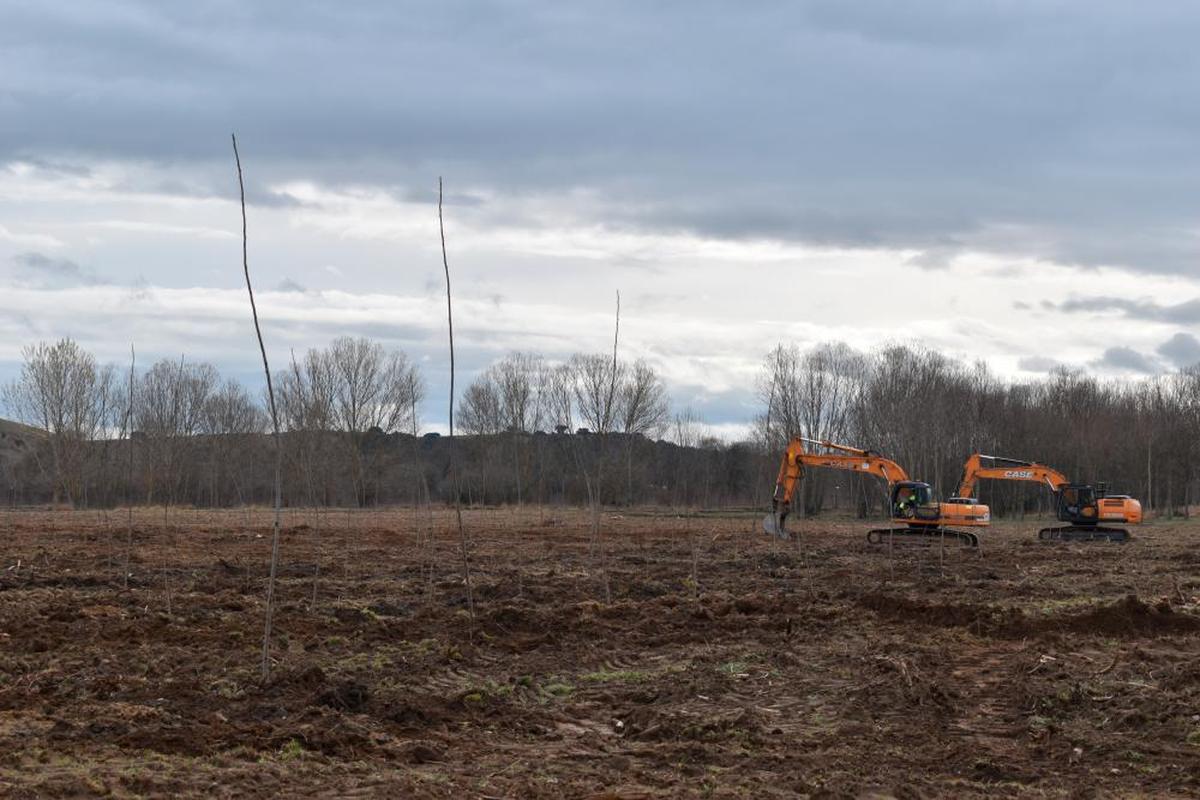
<point x="1185" y="313"/>
<point x="1182" y="350"/>
<point x="1055" y="130"/>
<point x="1128" y="360"/>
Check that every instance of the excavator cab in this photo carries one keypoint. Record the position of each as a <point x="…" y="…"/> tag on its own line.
<point x="1078" y="505"/>
<point x="914" y="500"/>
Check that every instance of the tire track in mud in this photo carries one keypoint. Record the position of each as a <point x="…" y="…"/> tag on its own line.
<point x="786" y="714"/>
<point x="459" y="679"/>
<point x="991" y="716"/>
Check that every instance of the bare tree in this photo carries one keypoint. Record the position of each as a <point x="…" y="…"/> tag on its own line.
<point x="171" y="406"/>
<point x="560" y="397"/>
<point x="559" y="407"/>
<point x="643" y="410"/>
<point x="480" y="413"/>
<point x="370" y="395"/>
<point x="780" y="391"/>
<point x="63" y="391"/>
<point x="594" y="379"/>
<point x="228" y="417"/>
<point x="504" y="404"/>
<point x="519" y="378"/>
<point x="687" y="430"/>
<point x="306" y="399"/>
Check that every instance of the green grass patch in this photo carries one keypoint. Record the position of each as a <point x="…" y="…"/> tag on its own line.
<point x="292" y="750"/>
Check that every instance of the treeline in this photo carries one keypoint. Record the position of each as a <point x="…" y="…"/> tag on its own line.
<point x="177" y="433"/>
<point x="929" y="412"/>
<point x="587" y="427"/>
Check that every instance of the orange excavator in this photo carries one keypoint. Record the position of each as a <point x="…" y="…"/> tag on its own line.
<point x="1085" y="508"/>
<point x="916" y="513"/>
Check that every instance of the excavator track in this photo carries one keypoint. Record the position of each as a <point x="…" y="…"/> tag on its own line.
<point x="923" y="536"/>
<point x="1083" y="533"/>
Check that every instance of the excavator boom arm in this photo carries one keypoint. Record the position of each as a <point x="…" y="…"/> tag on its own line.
<point x="981" y="467"/>
<point x="850" y="458"/>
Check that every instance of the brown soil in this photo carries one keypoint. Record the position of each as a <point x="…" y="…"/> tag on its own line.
<point x="823" y="668"/>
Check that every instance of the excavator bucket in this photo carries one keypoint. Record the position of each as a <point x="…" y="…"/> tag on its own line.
<point x="773" y="525"/>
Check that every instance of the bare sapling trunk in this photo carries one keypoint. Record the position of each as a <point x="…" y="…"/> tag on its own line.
<point x="319" y="552"/>
<point x="769" y="441"/>
<point x="422" y="507"/>
<point x="266" y="646"/>
<point x="129" y="473"/>
<point x="347" y="540"/>
<point x="463" y="540"/>
<point x="599" y="487"/>
<point x="695" y="540"/>
<point x="306" y="463"/>
<point x="541" y="499"/>
<point x="165" y="567"/>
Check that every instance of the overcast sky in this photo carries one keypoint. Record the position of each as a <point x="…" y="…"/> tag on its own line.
<point x="1013" y="181"/>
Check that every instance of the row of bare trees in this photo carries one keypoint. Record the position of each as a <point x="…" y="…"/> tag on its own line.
<point x="521" y="394"/>
<point x="584" y="430"/>
<point x="929" y="412"/>
<point x="196" y="437"/>
<point x="332" y="400"/>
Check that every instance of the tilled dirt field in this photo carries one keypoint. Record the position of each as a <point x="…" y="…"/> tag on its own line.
<point x="724" y="665"/>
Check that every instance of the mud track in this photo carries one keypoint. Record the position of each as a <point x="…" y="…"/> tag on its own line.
<point x="827" y="669"/>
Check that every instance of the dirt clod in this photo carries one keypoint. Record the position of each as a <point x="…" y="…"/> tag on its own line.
<point x="349" y="696"/>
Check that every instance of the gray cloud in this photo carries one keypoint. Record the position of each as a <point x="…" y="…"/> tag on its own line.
<point x="426" y="195"/>
<point x="50" y="167"/>
<point x="43" y="270"/>
<point x="844" y="124"/>
<point x="1182" y="350"/>
<point x="1187" y="312"/>
<point x="938" y="256"/>
<point x="256" y="193"/>
<point x="1127" y="359"/>
<point x="1038" y="364"/>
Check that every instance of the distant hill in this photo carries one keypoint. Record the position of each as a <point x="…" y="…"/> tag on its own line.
<point x="16" y="441"/>
<point x="18" y="429"/>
